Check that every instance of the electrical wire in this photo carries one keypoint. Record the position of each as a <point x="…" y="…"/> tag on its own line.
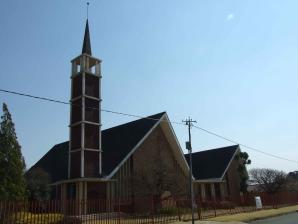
<point x="150" y="118"/>
<point x="244" y="145"/>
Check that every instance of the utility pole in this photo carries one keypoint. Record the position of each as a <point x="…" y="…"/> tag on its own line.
<point x="189" y="122"/>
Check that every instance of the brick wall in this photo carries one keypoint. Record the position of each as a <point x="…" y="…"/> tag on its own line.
<point x="155" y="160"/>
<point x="233" y="180"/>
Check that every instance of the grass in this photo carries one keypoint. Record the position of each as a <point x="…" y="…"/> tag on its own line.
<point x="27" y="217"/>
<point x="125" y="221"/>
<point x="250" y="216"/>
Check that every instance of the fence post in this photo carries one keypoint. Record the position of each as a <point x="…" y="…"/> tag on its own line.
<point x="119" y="210"/>
<point x="152" y="208"/>
<point x="1" y="210"/>
<point x="199" y="207"/>
<point x="214" y="206"/>
<point x="230" y="204"/>
<point x="178" y="209"/>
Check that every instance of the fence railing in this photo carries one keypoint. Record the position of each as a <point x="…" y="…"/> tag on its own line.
<point x="136" y="211"/>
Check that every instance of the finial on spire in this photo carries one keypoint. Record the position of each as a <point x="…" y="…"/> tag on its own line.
<point x="86" y="43"/>
<point x="88" y="9"/>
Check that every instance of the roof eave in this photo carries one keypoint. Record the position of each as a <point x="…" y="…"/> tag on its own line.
<point x="209" y="180"/>
<point x="84" y="179"/>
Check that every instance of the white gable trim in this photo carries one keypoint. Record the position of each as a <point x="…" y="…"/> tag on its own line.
<point x="177" y="142"/>
<point x="231" y="160"/>
<point x="209" y="180"/>
<point x="134" y="149"/>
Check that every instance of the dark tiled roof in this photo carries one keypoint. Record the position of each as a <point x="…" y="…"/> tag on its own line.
<point x="55" y="162"/>
<point x="211" y="163"/>
<point x="117" y="142"/>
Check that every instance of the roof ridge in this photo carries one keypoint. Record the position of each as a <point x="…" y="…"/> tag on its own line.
<point x="130" y="122"/>
<point x="213" y="149"/>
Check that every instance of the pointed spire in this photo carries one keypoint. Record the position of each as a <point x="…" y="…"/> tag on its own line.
<point x="86" y="44"/>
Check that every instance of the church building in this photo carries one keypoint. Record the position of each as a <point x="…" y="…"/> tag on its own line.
<point x="109" y="163"/>
<point x="128" y="161"/>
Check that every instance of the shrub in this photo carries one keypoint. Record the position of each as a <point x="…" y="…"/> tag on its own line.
<point x="168" y="211"/>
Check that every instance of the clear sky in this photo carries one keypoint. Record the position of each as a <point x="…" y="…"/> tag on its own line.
<point x="230" y="65"/>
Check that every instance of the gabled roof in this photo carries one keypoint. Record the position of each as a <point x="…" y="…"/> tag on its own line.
<point x="117" y="142"/>
<point x="213" y="163"/>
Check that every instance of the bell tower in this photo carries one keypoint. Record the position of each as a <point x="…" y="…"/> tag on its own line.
<point x="85" y="114"/>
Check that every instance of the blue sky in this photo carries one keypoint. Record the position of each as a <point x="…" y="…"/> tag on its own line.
<point x="230" y="65"/>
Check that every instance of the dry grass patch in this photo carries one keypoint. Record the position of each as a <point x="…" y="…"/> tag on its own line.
<point x="250" y="216"/>
<point x="28" y="218"/>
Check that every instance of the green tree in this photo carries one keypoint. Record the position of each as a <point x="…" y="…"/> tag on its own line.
<point x="242" y="157"/>
<point x="292" y="181"/>
<point x="38" y="187"/>
<point x="12" y="164"/>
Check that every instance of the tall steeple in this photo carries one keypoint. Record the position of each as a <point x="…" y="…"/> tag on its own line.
<point x="86" y="49"/>
<point x="85" y="116"/>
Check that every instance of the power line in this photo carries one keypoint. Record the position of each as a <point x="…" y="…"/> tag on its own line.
<point x="149" y="118"/>
<point x="69" y="103"/>
<point x="31" y="96"/>
<point x="243" y="145"/>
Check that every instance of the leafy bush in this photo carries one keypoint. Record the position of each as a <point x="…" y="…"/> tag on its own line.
<point x="168" y="211"/>
<point x="70" y="220"/>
